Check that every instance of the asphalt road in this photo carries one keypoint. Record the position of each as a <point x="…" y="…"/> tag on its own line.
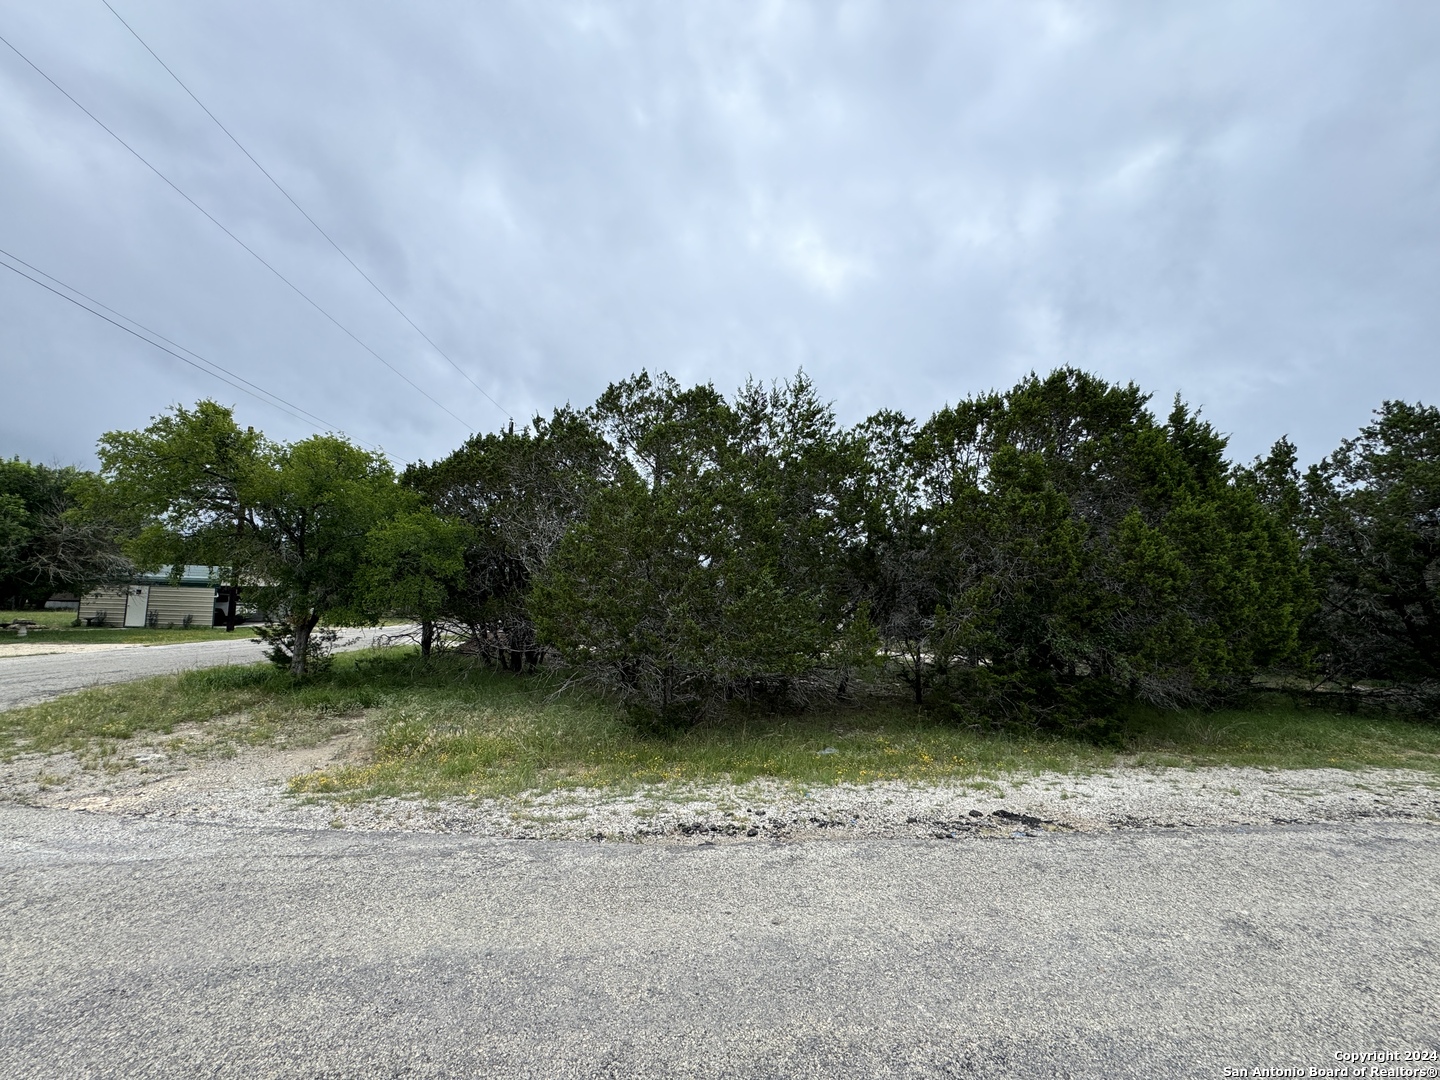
<point x="140" y="949"/>
<point x="25" y="680"/>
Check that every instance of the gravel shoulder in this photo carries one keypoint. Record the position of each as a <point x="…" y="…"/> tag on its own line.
<point x="191" y="776"/>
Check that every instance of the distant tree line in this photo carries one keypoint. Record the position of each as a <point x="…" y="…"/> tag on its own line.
<point x="47" y="545"/>
<point x="1048" y="554"/>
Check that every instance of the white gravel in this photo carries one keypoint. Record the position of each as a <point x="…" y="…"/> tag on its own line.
<point x="249" y="788"/>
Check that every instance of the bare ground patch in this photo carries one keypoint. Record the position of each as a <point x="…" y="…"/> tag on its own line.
<point x="1004" y="806"/>
<point x="197" y="774"/>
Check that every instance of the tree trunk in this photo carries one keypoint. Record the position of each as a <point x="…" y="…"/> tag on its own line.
<point x="303" y="627"/>
<point x="427" y="637"/>
<point x="235" y="571"/>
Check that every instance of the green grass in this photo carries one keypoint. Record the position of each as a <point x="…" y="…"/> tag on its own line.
<point x="136" y="635"/>
<point x="451" y="728"/>
<point x="253" y="704"/>
<point x="51" y="620"/>
<point x="55" y="626"/>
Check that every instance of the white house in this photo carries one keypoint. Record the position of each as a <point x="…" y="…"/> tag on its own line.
<point x="196" y="599"/>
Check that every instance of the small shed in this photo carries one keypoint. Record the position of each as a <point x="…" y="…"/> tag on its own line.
<point x="157" y="600"/>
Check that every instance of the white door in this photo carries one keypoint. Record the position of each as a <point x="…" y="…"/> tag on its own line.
<point x="137" y="600"/>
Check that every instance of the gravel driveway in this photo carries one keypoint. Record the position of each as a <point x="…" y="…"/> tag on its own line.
<point x="148" y="949"/>
<point x="25" y="680"/>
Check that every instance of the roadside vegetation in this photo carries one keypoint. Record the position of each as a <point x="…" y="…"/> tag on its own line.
<point x="455" y="727"/>
<point x="1053" y="576"/>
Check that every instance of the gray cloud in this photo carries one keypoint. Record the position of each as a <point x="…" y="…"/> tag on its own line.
<point x="1238" y="202"/>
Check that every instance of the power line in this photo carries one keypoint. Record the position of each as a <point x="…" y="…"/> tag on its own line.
<point x="229" y="378"/>
<point x="258" y="258"/>
<point x="266" y="172"/>
<point x="312" y="418"/>
<point x="228" y="381"/>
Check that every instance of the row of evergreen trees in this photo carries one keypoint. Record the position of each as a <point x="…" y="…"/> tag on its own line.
<point x="1046" y="554"/>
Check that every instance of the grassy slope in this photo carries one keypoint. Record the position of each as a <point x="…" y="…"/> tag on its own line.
<point x="451" y="728"/>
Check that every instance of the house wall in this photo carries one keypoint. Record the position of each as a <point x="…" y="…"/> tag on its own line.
<point x="169" y="604"/>
<point x="110" y="601"/>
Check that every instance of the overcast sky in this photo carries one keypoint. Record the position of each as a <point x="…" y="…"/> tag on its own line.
<point x="913" y="202"/>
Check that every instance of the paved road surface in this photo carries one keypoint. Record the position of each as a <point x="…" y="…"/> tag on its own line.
<point x="25" y="680"/>
<point x="142" y="949"/>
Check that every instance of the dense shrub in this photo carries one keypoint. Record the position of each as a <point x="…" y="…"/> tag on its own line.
<point x="1371" y="525"/>
<point x="1064" y="552"/>
<point x="711" y="567"/>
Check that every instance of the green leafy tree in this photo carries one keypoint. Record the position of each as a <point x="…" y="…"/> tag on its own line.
<point x="1371" y="520"/>
<point x="413" y="566"/>
<point x="708" y="569"/>
<point x="1084" y="555"/>
<point x="180" y="489"/>
<point x="288" y="522"/>
<point x="15" y="534"/>
<point x="46" y="543"/>
<point x="517" y="493"/>
<point x="310" y="511"/>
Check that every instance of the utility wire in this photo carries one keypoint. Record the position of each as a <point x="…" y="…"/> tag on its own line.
<point x="258" y="258"/>
<point x="228" y="381"/>
<point x="229" y="378"/>
<point x="266" y="172"/>
<point x="312" y="418"/>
